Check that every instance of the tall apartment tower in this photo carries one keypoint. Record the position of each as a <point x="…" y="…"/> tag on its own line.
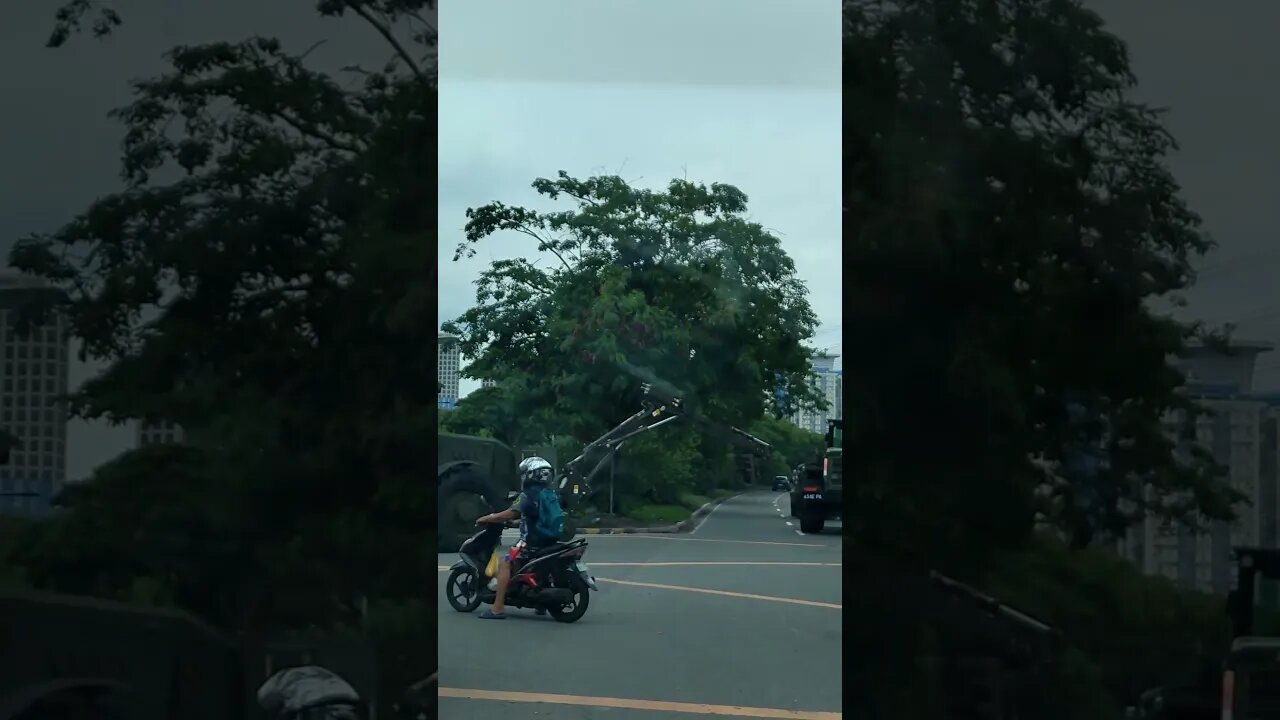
<point x="449" y="369"/>
<point x="826" y="379"/>
<point x="33" y="377"/>
<point x="1241" y="435"/>
<point x="158" y="433"/>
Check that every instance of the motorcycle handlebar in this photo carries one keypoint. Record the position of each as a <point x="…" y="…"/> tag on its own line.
<point x="505" y="523"/>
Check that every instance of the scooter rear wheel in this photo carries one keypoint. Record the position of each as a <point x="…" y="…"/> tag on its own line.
<point x="462" y="589"/>
<point x="581" y="598"/>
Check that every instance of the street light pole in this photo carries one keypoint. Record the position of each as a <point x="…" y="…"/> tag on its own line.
<point x="613" y="466"/>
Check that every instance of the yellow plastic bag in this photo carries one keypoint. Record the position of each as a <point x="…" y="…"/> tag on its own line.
<point x="491" y="569"/>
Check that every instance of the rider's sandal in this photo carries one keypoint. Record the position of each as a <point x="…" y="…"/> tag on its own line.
<point x="491" y="615"/>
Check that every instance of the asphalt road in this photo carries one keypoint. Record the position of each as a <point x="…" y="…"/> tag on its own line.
<point x="739" y="618"/>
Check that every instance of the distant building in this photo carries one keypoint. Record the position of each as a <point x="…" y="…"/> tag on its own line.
<point x="158" y="433"/>
<point x="826" y="379"/>
<point x="449" y="369"/>
<point x="1242" y="435"/>
<point x="838" y="406"/>
<point x="488" y="383"/>
<point x="33" y="378"/>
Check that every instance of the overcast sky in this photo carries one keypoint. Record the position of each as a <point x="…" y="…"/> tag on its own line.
<point x="745" y="92"/>
<point x="1211" y="64"/>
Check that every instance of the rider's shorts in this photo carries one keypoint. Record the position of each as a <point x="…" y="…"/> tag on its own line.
<point x="515" y="556"/>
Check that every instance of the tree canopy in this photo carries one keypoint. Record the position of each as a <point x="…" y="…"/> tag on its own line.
<point x="1010" y="217"/>
<point x="262" y="280"/>
<point x="1010" y="223"/>
<point x="673" y="287"/>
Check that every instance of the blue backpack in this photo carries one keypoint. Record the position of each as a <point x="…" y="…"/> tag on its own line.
<point x="547" y="524"/>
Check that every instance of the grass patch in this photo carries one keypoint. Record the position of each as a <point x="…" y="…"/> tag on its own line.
<point x="666" y="514"/>
<point x="720" y="493"/>
<point x="693" y="501"/>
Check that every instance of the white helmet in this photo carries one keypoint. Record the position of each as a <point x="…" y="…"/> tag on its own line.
<point x="535" y="471"/>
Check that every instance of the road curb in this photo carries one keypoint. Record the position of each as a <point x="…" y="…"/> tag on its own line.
<point x="681" y="526"/>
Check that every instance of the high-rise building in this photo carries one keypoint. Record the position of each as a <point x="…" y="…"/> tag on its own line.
<point x="1241" y="433"/>
<point x="158" y="433"/>
<point x="33" y="378"/>
<point x="488" y="383"/>
<point x="1203" y="560"/>
<point x="826" y="379"/>
<point x="449" y="364"/>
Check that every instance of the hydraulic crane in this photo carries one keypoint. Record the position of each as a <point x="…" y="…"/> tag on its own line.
<point x="659" y="407"/>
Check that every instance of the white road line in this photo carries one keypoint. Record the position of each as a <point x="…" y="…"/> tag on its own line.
<point x="798" y="532"/>
<point x="673" y="538"/>
<point x="696" y="563"/>
<point x="708" y="516"/>
<point x="724" y="593"/>
<point x="699" y="563"/>
<point x="788" y="523"/>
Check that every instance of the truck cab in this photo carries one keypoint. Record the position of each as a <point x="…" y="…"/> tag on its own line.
<point x="1251" y="679"/>
<point x="1251" y="671"/>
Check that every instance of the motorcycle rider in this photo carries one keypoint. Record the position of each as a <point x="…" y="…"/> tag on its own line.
<point x="535" y="475"/>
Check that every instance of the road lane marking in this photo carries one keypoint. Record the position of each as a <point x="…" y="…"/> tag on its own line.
<point x="711" y="562"/>
<point x="697" y="563"/>
<point x="631" y="704"/>
<point x="689" y="539"/>
<point x="726" y="501"/>
<point x="725" y="593"/>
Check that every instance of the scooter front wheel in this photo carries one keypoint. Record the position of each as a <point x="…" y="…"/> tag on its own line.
<point x="463" y="590"/>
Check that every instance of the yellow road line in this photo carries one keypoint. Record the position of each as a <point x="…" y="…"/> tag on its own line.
<point x="630" y="704"/>
<point x="726" y="593"/>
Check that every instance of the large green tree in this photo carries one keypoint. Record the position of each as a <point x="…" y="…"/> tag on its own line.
<point x="263" y="281"/>
<point x="673" y="287"/>
<point x="1010" y="217"/>
<point x="791" y="445"/>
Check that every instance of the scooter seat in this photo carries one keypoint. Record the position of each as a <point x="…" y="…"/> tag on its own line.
<point x="548" y="549"/>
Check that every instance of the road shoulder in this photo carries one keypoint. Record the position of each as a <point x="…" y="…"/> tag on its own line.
<point x="695" y="520"/>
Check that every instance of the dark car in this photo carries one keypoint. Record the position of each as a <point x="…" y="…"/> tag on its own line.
<point x="780" y="482"/>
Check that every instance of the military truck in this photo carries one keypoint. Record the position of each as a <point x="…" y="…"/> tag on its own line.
<point x="475" y="476"/>
<point x="1251" y="670"/>
<point x="62" y="655"/>
<point x="818" y="493"/>
<point x="1248" y="685"/>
